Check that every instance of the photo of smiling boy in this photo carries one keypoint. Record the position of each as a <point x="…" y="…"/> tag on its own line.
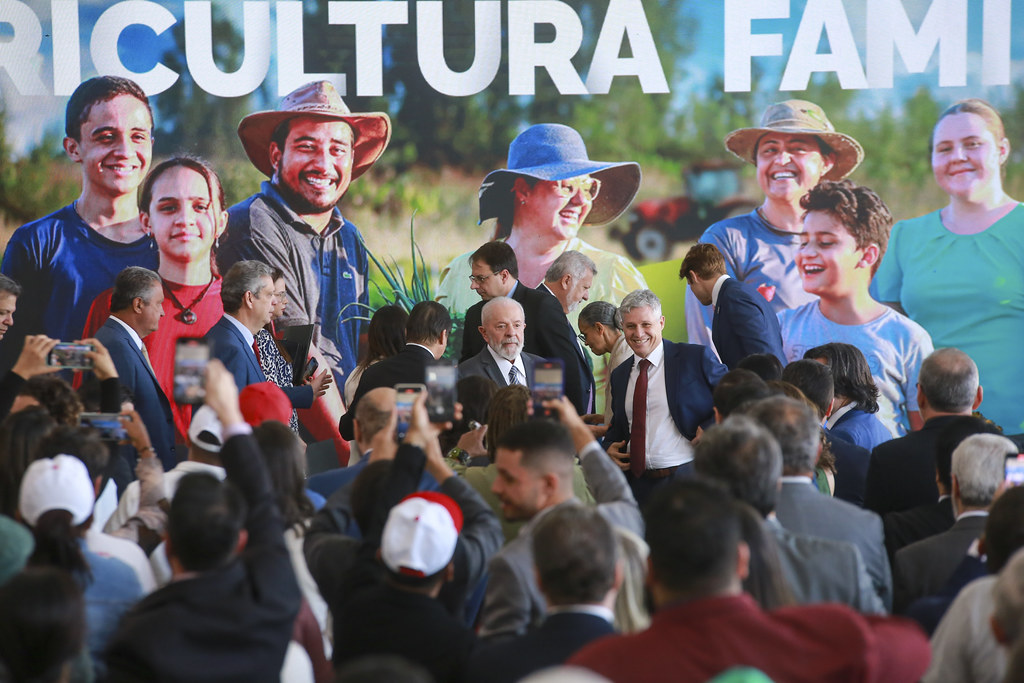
<point x="65" y="259"/>
<point x="846" y="231"/>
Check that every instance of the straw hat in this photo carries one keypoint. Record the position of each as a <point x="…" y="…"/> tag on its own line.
<point x="551" y="151"/>
<point x="319" y="99"/>
<point x="798" y="117"/>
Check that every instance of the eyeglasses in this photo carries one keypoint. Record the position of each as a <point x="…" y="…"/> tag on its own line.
<point x="587" y="187"/>
<point x="583" y="338"/>
<point x="480" y="279"/>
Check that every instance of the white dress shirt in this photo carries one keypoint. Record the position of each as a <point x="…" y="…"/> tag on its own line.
<point x="504" y="366"/>
<point x="716" y="288"/>
<point x="248" y="336"/>
<point x="666" y="447"/>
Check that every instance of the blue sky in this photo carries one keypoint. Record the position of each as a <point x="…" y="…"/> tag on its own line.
<point x="30" y="116"/>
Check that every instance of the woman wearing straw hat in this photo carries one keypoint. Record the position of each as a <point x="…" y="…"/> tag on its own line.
<point x="794" y="147"/>
<point x="959" y="271"/>
<point x="550" y="190"/>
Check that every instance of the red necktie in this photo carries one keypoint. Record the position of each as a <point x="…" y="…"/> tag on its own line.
<point x="256" y="350"/>
<point x="638" y="433"/>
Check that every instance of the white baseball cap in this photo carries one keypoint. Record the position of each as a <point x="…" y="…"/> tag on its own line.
<point x="59" y="483"/>
<point x="420" y="534"/>
<point x="205" y="430"/>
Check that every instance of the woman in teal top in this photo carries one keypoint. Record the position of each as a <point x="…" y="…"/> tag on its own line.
<point x="959" y="272"/>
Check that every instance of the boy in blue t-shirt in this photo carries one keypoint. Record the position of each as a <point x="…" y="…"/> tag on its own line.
<point x="846" y="230"/>
<point x="62" y="261"/>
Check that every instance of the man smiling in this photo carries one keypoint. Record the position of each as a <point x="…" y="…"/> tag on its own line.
<point x="65" y="259"/>
<point x="659" y="398"/>
<point x="311" y="148"/>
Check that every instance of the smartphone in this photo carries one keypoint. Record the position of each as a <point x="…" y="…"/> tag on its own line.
<point x="1015" y="470"/>
<point x="191" y="355"/>
<point x="548" y="383"/>
<point x="109" y="425"/>
<point x="69" y="355"/>
<point x="311" y="365"/>
<point x="407" y="394"/>
<point x="441" y="377"/>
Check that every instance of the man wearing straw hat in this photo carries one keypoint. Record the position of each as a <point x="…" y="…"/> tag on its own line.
<point x="311" y="147"/>
<point x="794" y="147"/>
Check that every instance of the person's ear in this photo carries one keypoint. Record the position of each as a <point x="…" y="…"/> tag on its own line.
<point x="742" y="561"/>
<point x="483" y="333"/>
<point x="138" y="304"/>
<point x="449" y="572"/>
<point x="566" y="282"/>
<point x="275" y="153"/>
<point x="146" y="223"/>
<point x="828" y="163"/>
<point x="73" y="149"/>
<point x="520" y="190"/>
<point x="869" y="256"/>
<point x="978" y="397"/>
<point x="222" y="222"/>
<point x="243" y="540"/>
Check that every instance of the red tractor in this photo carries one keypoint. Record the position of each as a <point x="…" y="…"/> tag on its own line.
<point x="655" y="225"/>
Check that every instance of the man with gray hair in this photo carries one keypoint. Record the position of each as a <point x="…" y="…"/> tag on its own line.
<point x="744" y="456"/>
<point x="599" y="327"/>
<point x="569" y="279"/>
<point x="924" y="567"/>
<point x="801" y="508"/>
<point x="136" y="306"/>
<point x="502" y="360"/>
<point x="659" y="399"/>
<point x="248" y="297"/>
<point x="901" y="472"/>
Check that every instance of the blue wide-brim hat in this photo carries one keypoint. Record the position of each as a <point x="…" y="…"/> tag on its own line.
<point x="551" y="151"/>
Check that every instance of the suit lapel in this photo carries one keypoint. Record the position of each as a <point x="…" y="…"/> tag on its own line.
<point x="491" y="368"/>
<point x="251" y="355"/>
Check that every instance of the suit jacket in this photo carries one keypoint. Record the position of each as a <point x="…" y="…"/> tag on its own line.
<point x="228" y="345"/>
<point x="691" y="373"/>
<point x="823" y="570"/>
<point x="803" y="509"/>
<point x="231" y="623"/>
<point x="483" y="365"/>
<point x="909" y="526"/>
<point x="744" y="323"/>
<point x="901" y="473"/>
<point x="851" y="469"/>
<point x="408" y="366"/>
<point x="547" y="335"/>
<point x="558" y="637"/>
<point x="863" y="429"/>
<point x="513" y="601"/>
<point x="150" y="401"/>
<point x="583" y="365"/>
<point x="922" y="568"/>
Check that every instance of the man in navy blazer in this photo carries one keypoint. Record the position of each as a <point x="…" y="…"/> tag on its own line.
<point x="136" y="306"/>
<point x="743" y="322"/>
<point x="574" y="557"/>
<point x="680" y="380"/>
<point x="248" y="296"/>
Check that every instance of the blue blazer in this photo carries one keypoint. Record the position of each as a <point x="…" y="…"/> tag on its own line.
<point x="691" y="373"/>
<point x="743" y="324"/>
<point x="150" y="400"/>
<point x="863" y="429"/>
<point x="228" y="346"/>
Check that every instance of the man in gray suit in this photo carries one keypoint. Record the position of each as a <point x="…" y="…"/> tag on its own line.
<point x="801" y="508"/>
<point x="502" y="360"/>
<point x="745" y="457"/>
<point x="535" y="465"/>
<point x="922" y="568"/>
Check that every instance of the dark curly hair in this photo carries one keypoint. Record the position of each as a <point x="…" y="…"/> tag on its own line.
<point x="858" y="208"/>
<point x="56" y="396"/>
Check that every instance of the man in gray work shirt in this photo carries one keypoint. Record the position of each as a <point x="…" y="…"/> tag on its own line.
<point x="311" y="148"/>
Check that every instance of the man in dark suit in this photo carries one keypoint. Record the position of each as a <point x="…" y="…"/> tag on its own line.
<point x="743" y="321"/>
<point x="569" y="279"/>
<point x="495" y="273"/>
<point x="574" y="556"/>
<point x="801" y="508"/>
<point x="231" y="615"/>
<point x="426" y="338"/>
<point x="744" y="456"/>
<point x="901" y="473"/>
<point x="675" y="398"/>
<point x="922" y="568"/>
<point x="815" y="381"/>
<point x="248" y="296"/>
<point x="502" y="360"/>
<point x="909" y="526"/>
<point x="136" y="305"/>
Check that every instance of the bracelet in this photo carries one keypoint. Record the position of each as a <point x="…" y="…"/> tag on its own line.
<point x="144" y="449"/>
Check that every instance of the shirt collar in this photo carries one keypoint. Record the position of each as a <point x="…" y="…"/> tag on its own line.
<point x="270" y="191"/>
<point x="504" y="365"/>
<point x="838" y="413"/>
<point x="422" y="347"/>
<point x="655" y="358"/>
<point x="246" y="334"/>
<point x="796" y="479"/>
<point x="594" y="610"/>
<point x="716" y="289"/>
<point x="972" y="513"/>
<point x="131" y="332"/>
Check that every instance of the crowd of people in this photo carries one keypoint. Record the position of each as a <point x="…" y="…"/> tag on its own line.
<point x="818" y="485"/>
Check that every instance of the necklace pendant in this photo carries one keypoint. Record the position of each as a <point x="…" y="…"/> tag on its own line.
<point x="187" y="317"/>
